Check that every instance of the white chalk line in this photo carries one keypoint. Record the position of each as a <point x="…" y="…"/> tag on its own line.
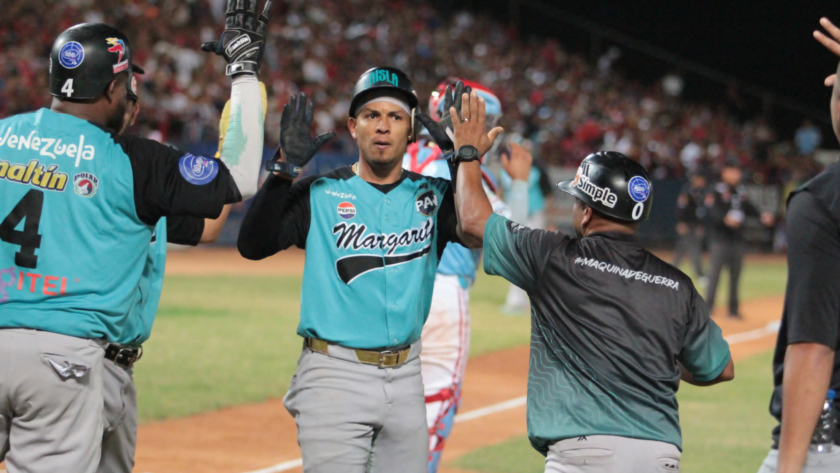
<point x="771" y="328"/>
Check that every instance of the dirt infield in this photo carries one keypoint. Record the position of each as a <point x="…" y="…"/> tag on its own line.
<point x="226" y="261"/>
<point x="254" y="437"/>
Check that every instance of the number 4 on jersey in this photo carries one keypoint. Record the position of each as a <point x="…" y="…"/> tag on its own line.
<point x="29" y="240"/>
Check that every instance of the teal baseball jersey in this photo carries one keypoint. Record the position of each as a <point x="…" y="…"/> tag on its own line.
<point x="78" y="206"/>
<point x="611" y="324"/>
<point x="180" y="230"/>
<point x="371" y="251"/>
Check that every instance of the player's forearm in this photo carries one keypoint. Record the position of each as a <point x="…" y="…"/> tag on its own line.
<point x="243" y="144"/>
<point x="518" y="201"/>
<point x="471" y="204"/>
<point x="808" y="369"/>
<point x="260" y="232"/>
<point x="213" y="227"/>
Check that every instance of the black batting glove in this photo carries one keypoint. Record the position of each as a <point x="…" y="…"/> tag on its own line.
<point x="442" y="130"/>
<point x="243" y="41"/>
<point x="296" y="140"/>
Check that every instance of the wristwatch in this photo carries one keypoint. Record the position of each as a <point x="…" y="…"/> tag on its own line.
<point x="283" y="168"/>
<point x="466" y="153"/>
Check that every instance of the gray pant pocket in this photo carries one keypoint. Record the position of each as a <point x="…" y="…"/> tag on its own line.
<point x="66" y="367"/>
<point x="586" y="456"/>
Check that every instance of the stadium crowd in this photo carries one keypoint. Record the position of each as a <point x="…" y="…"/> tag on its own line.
<point x="567" y="105"/>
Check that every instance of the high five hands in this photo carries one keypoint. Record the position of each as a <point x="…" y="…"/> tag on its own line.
<point x="471" y="125"/>
<point x="831" y="43"/>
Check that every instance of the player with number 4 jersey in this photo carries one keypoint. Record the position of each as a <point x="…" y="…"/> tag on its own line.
<point x="78" y="207"/>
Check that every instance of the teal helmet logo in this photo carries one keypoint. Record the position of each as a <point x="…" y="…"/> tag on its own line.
<point x="382" y="81"/>
<point x="382" y="75"/>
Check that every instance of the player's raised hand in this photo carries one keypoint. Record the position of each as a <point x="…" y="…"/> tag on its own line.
<point x="442" y="130"/>
<point x="831" y="43"/>
<point x="517" y="162"/>
<point x="297" y="146"/>
<point x="243" y="41"/>
<point x="471" y="129"/>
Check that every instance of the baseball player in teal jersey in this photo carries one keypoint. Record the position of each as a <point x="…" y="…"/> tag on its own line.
<point x="120" y="395"/>
<point x="78" y="205"/>
<point x="373" y="235"/>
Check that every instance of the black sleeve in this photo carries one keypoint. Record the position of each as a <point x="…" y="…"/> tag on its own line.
<point x="705" y="353"/>
<point x="168" y="182"/>
<point x="184" y="230"/>
<point x="749" y="208"/>
<point x="447" y="221"/>
<point x="717" y="209"/>
<point x="545" y="183"/>
<point x="812" y="296"/>
<point x="278" y="218"/>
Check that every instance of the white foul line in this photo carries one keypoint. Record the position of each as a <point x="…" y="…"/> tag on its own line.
<point x="772" y="327"/>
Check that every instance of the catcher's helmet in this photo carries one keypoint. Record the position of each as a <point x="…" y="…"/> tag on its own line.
<point x="614" y="185"/>
<point x="491" y="100"/>
<point x="86" y="58"/>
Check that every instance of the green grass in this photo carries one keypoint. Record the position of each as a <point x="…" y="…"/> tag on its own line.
<point x="726" y="429"/>
<point x="491" y="329"/>
<point x="223" y="341"/>
<point x="758" y="279"/>
<point x="219" y="341"/>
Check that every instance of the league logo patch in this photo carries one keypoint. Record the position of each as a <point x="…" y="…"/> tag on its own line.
<point x="118" y="46"/>
<point x="346" y="210"/>
<point x="426" y="203"/>
<point x="198" y="170"/>
<point x="85" y="184"/>
<point x="71" y="55"/>
<point x="639" y="189"/>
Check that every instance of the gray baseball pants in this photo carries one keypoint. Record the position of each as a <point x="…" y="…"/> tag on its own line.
<point x="611" y="454"/>
<point x="120" y="438"/>
<point x="50" y="402"/>
<point x="814" y="463"/>
<point x="357" y="418"/>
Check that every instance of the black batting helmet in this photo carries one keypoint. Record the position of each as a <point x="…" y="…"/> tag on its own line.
<point x="614" y="185"/>
<point x="86" y="58"/>
<point x="381" y="79"/>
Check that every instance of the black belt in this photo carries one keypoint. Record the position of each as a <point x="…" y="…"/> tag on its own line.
<point x="122" y="355"/>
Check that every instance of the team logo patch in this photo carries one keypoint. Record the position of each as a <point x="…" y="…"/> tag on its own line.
<point x="426" y="203"/>
<point x="118" y="47"/>
<point x="85" y="184"/>
<point x="346" y="210"/>
<point x="71" y="55"/>
<point x="198" y="170"/>
<point x="639" y="189"/>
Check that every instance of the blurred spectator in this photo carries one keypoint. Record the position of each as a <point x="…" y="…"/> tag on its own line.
<point x="808" y="138"/>
<point x="566" y="105"/>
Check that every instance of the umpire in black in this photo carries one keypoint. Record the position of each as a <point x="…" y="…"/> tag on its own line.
<point x="691" y="224"/>
<point x="614" y="328"/>
<point x="728" y="207"/>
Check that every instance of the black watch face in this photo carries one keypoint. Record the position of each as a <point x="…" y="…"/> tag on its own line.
<point x="467" y="152"/>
